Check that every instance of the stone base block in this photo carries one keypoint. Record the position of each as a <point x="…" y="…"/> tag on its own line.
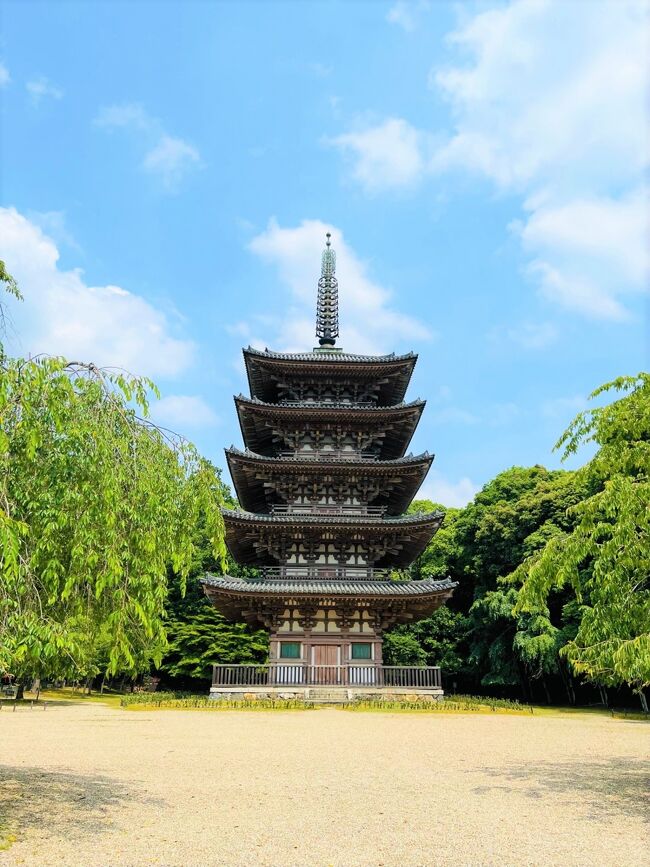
<point x="324" y="694"/>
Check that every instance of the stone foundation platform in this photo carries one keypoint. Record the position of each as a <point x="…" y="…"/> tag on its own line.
<point x="325" y="694"/>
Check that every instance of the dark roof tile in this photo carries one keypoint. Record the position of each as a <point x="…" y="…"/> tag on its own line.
<point x="335" y="587"/>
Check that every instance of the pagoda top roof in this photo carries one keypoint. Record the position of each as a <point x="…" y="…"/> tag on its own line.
<point x="393" y="371"/>
<point x="333" y="587"/>
<point x="325" y="356"/>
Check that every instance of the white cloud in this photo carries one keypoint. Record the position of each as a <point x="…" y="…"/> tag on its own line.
<point x="576" y="292"/>
<point x="564" y="408"/>
<point x="239" y="329"/>
<point x="611" y="232"/>
<point x="5" y="78"/>
<point x="451" y="494"/>
<point x="534" y="335"/>
<point x="405" y="13"/>
<point x="129" y="114"/>
<point x="39" y="88"/>
<point x="368" y="322"/>
<point x="182" y="412"/>
<point x="63" y="315"/>
<point x="320" y="70"/>
<point x="166" y="156"/>
<point x="171" y="158"/>
<point x="549" y="86"/>
<point x="453" y="415"/>
<point x="589" y="251"/>
<point x="529" y="335"/>
<point x="390" y="155"/>
<point x="548" y="102"/>
<point x="501" y="414"/>
<point x="53" y="223"/>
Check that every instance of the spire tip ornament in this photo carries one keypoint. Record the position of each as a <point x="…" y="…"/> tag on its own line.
<point x="327" y="306"/>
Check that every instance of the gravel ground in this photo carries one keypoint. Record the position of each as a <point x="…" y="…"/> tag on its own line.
<point x="91" y="785"/>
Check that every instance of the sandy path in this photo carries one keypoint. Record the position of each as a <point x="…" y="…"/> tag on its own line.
<point x="89" y="785"/>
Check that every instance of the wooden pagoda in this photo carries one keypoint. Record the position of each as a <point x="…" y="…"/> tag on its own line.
<point x="323" y="484"/>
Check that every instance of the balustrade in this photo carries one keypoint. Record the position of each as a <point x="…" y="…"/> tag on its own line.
<point x="328" y="509"/>
<point x="325" y="572"/>
<point x="334" y="403"/>
<point x="347" y="674"/>
<point x="327" y="455"/>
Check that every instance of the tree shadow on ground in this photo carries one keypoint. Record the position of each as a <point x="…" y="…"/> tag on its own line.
<point x="609" y="788"/>
<point x="71" y="804"/>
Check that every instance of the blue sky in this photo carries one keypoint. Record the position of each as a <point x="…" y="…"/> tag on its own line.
<point x="169" y="170"/>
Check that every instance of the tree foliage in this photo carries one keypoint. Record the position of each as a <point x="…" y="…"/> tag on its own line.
<point x="605" y="556"/>
<point x="476" y="637"/>
<point x="199" y="636"/>
<point x="552" y="566"/>
<point x="96" y="503"/>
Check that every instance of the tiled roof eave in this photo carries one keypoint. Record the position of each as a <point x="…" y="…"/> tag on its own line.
<point x="422" y="519"/>
<point x="253" y="457"/>
<point x="326" y="406"/>
<point x="338" y="587"/>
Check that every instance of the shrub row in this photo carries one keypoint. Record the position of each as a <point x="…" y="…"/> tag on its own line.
<point x="171" y="700"/>
<point x="453" y="704"/>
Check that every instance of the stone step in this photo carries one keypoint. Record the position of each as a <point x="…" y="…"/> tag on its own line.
<point x="328" y="694"/>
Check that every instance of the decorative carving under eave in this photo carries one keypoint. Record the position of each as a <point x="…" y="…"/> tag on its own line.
<point x="307" y="616"/>
<point x="345" y="616"/>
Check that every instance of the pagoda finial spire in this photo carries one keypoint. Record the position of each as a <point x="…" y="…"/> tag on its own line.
<point x="327" y="307"/>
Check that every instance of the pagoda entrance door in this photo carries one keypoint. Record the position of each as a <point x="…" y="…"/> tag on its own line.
<point x="326" y="663"/>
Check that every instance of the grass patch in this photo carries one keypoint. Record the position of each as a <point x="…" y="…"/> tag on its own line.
<point x="452" y="704"/>
<point x="638" y="716"/>
<point x="171" y="700"/>
<point x="108" y="697"/>
<point x="6" y="838"/>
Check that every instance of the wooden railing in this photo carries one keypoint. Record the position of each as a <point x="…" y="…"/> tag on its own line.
<point x="327" y="402"/>
<point x="348" y="674"/>
<point x="328" y="509"/>
<point x="327" y="454"/>
<point x="326" y="572"/>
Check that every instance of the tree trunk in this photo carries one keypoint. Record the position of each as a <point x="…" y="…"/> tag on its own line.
<point x="88" y="684"/>
<point x="524" y="683"/>
<point x="20" y="691"/>
<point x="603" y="695"/>
<point x="567" y="680"/>
<point x="101" y="689"/>
<point x="644" y="701"/>
<point x="546" y="691"/>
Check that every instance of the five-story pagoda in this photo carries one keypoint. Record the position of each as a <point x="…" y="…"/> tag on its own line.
<point x="323" y="484"/>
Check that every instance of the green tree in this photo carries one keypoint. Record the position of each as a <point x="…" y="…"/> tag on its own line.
<point x="477" y="636"/>
<point x="96" y="503"/>
<point x="604" y="557"/>
<point x="402" y="648"/>
<point x="200" y="636"/>
<point x="443" y="637"/>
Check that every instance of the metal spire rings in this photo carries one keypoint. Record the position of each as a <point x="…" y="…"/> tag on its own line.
<point x="327" y="307"/>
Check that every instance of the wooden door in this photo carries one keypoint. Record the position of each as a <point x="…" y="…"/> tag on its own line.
<point x="325" y="659"/>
